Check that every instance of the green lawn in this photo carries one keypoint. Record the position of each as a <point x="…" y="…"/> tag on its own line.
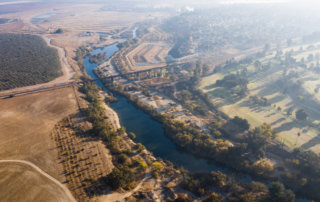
<point x="264" y="84"/>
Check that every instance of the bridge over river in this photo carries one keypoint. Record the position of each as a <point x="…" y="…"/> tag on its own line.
<point x="48" y="87"/>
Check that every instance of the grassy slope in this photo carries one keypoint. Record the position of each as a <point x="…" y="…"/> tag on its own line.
<point x="263" y="85"/>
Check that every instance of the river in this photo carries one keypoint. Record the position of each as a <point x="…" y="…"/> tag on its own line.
<point x="148" y="131"/>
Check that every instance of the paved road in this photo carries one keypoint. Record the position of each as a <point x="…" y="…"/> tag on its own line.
<point x="63" y="187"/>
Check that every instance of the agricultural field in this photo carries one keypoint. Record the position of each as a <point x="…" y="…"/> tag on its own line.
<point x="20" y="182"/>
<point x="85" y="159"/>
<point x="26" y="60"/>
<point x="287" y="83"/>
<point x="26" y="123"/>
<point x="148" y="55"/>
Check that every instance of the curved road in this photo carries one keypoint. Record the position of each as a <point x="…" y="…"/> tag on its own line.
<point x="66" y="190"/>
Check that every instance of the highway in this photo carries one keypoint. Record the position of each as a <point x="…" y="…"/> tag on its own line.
<point x="40" y="89"/>
<point x="49" y="87"/>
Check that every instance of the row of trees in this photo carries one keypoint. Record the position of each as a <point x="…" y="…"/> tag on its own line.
<point x="26" y="60"/>
<point x="121" y="176"/>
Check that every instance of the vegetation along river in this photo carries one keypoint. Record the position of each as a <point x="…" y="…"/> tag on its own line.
<point x="148" y="131"/>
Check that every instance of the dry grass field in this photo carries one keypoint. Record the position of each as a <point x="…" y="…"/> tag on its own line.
<point x="264" y="85"/>
<point x="26" y="123"/>
<point x="147" y="56"/>
<point x="19" y="182"/>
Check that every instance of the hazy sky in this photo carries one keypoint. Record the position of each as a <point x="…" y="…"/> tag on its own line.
<point x="304" y="2"/>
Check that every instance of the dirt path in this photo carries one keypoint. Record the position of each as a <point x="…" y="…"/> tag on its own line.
<point x="66" y="190"/>
<point x="115" y="196"/>
<point x="67" y="70"/>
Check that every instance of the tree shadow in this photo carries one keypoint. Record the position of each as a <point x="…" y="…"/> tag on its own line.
<point x="311" y="143"/>
<point x="257" y="88"/>
<point x="210" y="86"/>
<point x="290" y="104"/>
<point x="269" y="115"/>
<point x="253" y="107"/>
<point x="287" y="127"/>
<point x="277" y="98"/>
<point x="268" y="91"/>
<point x="278" y="121"/>
<point x="228" y="98"/>
<point x="310" y="78"/>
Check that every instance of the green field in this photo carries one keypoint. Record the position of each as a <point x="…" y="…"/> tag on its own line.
<point x="271" y="84"/>
<point x="26" y="60"/>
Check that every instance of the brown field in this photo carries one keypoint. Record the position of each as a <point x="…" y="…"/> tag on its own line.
<point x="84" y="158"/>
<point x="19" y="182"/>
<point x="25" y="126"/>
<point x="152" y="54"/>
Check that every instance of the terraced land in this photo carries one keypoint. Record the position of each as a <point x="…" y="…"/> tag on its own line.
<point x="147" y="56"/>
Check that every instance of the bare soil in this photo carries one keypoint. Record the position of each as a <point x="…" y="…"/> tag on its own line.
<point x="26" y="123"/>
<point x="20" y="182"/>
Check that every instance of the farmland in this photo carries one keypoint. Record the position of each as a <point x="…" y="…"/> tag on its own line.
<point x="26" y="124"/>
<point x="40" y="62"/>
<point x="287" y="87"/>
<point x="84" y="158"/>
<point x="20" y="182"/>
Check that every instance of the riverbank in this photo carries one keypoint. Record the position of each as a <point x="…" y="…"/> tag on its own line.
<point x="110" y="113"/>
<point x="145" y="169"/>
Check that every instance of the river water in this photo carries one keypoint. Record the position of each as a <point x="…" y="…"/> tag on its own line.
<point x="148" y="131"/>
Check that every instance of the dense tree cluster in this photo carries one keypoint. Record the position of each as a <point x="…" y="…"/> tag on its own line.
<point x="120" y="176"/>
<point x="259" y="137"/>
<point x="307" y="178"/>
<point x="96" y="112"/>
<point x="243" y="124"/>
<point x="97" y="57"/>
<point x="26" y="60"/>
<point x="262" y="101"/>
<point x="231" y="81"/>
<point x="301" y="115"/>
<point x="80" y="53"/>
<point x="60" y="31"/>
<point x="278" y="193"/>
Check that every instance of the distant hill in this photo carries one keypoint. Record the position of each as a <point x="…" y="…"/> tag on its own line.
<point x="26" y="60"/>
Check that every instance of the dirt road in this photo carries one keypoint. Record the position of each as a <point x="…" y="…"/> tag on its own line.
<point x="115" y="196"/>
